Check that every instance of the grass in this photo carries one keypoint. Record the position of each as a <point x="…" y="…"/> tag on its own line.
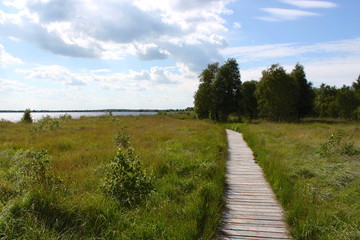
<point x="314" y="169"/>
<point x="186" y="158"/>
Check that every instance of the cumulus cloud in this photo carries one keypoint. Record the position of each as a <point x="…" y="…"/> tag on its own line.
<point x="55" y="73"/>
<point x="114" y="29"/>
<point x="151" y="52"/>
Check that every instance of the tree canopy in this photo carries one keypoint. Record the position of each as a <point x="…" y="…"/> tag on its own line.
<point x="277" y="96"/>
<point x="219" y="91"/>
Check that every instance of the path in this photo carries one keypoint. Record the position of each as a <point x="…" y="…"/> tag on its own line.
<point x="251" y="209"/>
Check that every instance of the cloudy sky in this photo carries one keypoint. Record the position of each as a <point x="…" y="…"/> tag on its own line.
<point x="145" y="54"/>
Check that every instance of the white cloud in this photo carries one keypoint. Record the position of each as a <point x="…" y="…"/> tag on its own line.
<point x="7" y="59"/>
<point x="334" y="63"/>
<point x="334" y="72"/>
<point x="276" y="51"/>
<point x="310" y="4"/>
<point x="114" y="29"/>
<point x="237" y="25"/>
<point x="7" y="86"/>
<point x="281" y="14"/>
<point x="55" y="73"/>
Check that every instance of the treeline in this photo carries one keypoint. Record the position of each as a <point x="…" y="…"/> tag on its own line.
<point x="277" y="96"/>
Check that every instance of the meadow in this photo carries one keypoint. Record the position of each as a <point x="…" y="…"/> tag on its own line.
<point x="314" y="169"/>
<point x="53" y="172"/>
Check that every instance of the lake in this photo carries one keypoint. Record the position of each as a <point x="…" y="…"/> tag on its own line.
<point x="16" y="116"/>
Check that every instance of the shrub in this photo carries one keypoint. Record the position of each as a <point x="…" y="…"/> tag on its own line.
<point x="65" y="116"/>
<point x="122" y="138"/>
<point x="338" y="143"/>
<point x="38" y="170"/>
<point x="126" y="181"/>
<point x="31" y="169"/>
<point x="45" y="124"/>
<point x="27" y="116"/>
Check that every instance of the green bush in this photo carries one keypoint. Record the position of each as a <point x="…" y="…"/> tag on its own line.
<point x="30" y="170"/>
<point x="126" y="181"/>
<point x="65" y="116"/>
<point x="27" y="116"/>
<point x="338" y="143"/>
<point x="122" y="138"/>
<point x="46" y="124"/>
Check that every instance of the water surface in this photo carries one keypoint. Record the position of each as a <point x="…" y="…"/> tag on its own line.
<point x="16" y="116"/>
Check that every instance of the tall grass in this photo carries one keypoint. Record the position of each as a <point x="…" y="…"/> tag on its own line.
<point x="186" y="158"/>
<point x="319" y="190"/>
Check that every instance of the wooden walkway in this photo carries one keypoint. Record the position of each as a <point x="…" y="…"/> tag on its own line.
<point x="251" y="209"/>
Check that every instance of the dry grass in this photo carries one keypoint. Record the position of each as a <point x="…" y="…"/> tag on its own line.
<point x="186" y="157"/>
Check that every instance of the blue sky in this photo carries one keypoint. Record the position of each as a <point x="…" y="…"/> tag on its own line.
<point x="142" y="54"/>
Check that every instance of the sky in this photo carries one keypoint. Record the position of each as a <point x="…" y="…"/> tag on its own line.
<point x="144" y="54"/>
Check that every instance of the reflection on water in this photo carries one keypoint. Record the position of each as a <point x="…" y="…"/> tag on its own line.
<point x="15" y="117"/>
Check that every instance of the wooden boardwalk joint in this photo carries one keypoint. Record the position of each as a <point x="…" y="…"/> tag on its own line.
<point x="252" y="212"/>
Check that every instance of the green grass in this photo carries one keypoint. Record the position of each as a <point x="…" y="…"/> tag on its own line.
<point x="185" y="156"/>
<point x="318" y="188"/>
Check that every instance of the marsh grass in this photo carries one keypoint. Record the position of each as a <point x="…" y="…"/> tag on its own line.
<point x="186" y="157"/>
<point x="314" y="168"/>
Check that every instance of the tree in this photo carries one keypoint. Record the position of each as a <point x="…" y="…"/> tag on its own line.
<point x="325" y="101"/>
<point x="346" y="102"/>
<point x="203" y="96"/>
<point x="305" y="101"/>
<point x="27" y="116"/>
<point x="249" y="103"/>
<point x="226" y="90"/>
<point x="277" y="95"/>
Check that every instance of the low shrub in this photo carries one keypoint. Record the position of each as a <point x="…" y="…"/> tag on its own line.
<point x="46" y="124"/>
<point x="338" y="143"/>
<point x="122" y="138"/>
<point x="126" y="181"/>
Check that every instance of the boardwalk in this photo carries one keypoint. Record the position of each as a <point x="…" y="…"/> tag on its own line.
<point x="252" y="211"/>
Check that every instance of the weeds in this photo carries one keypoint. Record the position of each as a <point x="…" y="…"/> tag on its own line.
<point x="338" y="143"/>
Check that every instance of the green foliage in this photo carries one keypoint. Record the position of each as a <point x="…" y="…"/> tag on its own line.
<point x="277" y="95"/>
<point x="338" y="143"/>
<point x="122" y="138"/>
<point x="218" y="94"/>
<point x="65" y="116"/>
<point x="347" y="103"/>
<point x="30" y="169"/>
<point x="126" y="181"/>
<point x="27" y="116"/>
<point x="304" y="103"/>
<point x="203" y="99"/>
<point x="46" y="124"/>
<point x="226" y="91"/>
<point x="37" y="170"/>
<point x="249" y="103"/>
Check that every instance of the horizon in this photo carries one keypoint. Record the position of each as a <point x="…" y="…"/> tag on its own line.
<point x="86" y="54"/>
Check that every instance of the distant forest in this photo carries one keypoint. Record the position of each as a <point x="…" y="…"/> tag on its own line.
<point x="277" y="96"/>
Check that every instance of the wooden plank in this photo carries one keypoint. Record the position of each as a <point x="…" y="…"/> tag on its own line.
<point x="252" y="211"/>
<point x="266" y="235"/>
